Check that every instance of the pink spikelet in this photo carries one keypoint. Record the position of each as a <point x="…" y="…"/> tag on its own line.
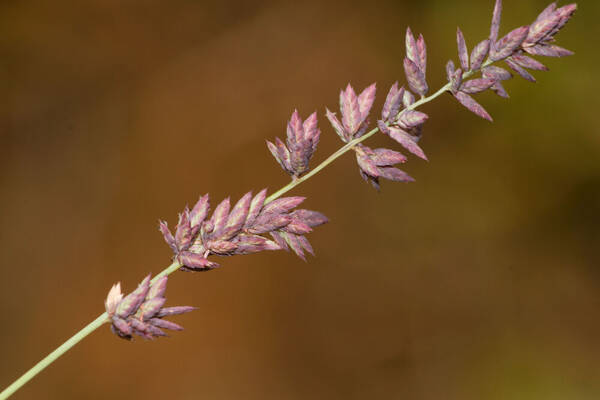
<point x="415" y="63"/>
<point x="379" y="163"/>
<point x="355" y="110"/>
<point x="393" y="103"/>
<point x="463" y="54"/>
<point x="415" y="77"/>
<point x="479" y="53"/>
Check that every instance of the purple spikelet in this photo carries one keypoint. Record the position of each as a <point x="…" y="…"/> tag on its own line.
<point x="479" y="54"/>
<point x="379" y="163"/>
<point x="454" y="76"/>
<point x="141" y="311"/>
<point x="548" y="50"/>
<point x="351" y="114"/>
<point x="412" y="53"/>
<point x="393" y="103"/>
<point x="472" y="105"/>
<point x="463" y="53"/>
<point x="519" y="70"/>
<point x="415" y="63"/>
<point x="528" y="62"/>
<point x="406" y="140"/>
<point x="477" y="85"/>
<point x="495" y="26"/>
<point x="365" y="101"/>
<point x="422" y="51"/>
<point x="415" y="77"/>
<point x="496" y="73"/>
<point x="509" y="44"/>
<point x="163" y="227"/>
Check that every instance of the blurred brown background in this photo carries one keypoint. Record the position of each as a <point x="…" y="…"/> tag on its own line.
<point x="479" y="281"/>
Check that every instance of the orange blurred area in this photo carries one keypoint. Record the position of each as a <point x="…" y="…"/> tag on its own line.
<point x="479" y="281"/>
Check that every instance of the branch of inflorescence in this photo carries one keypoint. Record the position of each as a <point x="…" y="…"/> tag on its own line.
<point x="103" y="318"/>
<point x="350" y="145"/>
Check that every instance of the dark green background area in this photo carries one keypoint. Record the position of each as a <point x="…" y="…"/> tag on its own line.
<point x="478" y="281"/>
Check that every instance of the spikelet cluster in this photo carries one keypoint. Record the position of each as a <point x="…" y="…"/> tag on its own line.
<point x="355" y="111"/>
<point x="240" y="230"/>
<point x="398" y="118"/>
<point x="513" y="49"/>
<point x="141" y="312"/>
<point x="302" y="141"/>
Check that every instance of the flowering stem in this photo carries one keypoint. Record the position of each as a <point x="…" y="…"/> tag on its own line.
<point x="50" y="358"/>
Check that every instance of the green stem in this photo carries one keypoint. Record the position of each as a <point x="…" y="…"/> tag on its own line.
<point x="348" y="146"/>
<point x="50" y="358"/>
<point x="165" y="272"/>
<point x="427" y="99"/>
<point x="63" y="348"/>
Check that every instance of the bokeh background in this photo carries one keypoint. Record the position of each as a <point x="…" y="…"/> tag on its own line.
<point x="479" y="281"/>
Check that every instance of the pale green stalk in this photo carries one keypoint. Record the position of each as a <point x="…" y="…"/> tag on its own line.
<point x="50" y="358"/>
<point x="103" y="318"/>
